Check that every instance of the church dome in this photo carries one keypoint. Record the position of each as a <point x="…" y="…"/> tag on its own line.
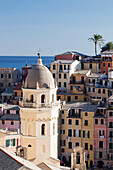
<point x="39" y="77"/>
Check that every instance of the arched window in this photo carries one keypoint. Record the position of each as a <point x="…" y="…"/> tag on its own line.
<point x="30" y="130"/>
<point x="43" y="99"/>
<point x="43" y="129"/>
<point x="78" y="158"/>
<point x="53" y="128"/>
<point x="32" y="98"/>
<point x="52" y="97"/>
<point x="43" y="148"/>
<point x="29" y="145"/>
<point x="21" y="152"/>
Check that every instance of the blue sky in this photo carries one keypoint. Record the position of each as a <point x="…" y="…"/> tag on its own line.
<point x="54" y="26"/>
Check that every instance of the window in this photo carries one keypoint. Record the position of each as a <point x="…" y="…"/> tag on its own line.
<point x="86" y="122"/>
<point x="93" y="81"/>
<point x="76" y="122"/>
<point x="59" y="85"/>
<point x="110" y="124"/>
<point x="94" y="90"/>
<point x="76" y="133"/>
<point x="53" y="75"/>
<point x="86" y="134"/>
<point x="54" y="67"/>
<point x="17" y="112"/>
<point x="69" y="122"/>
<point x="90" y="66"/>
<point x="69" y="132"/>
<point x="62" y="142"/>
<point x="65" y="85"/>
<point x="88" y="80"/>
<point x="15" y="93"/>
<point x="9" y="84"/>
<point x="62" y="111"/>
<point x="76" y="144"/>
<point x="101" y="133"/>
<point x="3" y="122"/>
<point x="64" y="67"/>
<point x="59" y="76"/>
<point x="86" y="146"/>
<point x="13" y="142"/>
<point x="108" y="64"/>
<point x="43" y="129"/>
<point x="69" y="145"/>
<point x="110" y="113"/>
<point x="29" y="145"/>
<point x="99" y="90"/>
<point x="7" y="143"/>
<point x="100" y="154"/>
<point x="89" y="89"/>
<point x="62" y="131"/>
<point x="110" y="134"/>
<point x="110" y="145"/>
<point x="102" y="121"/>
<point x="103" y="64"/>
<point x="63" y="121"/>
<point x="2" y="76"/>
<point x="103" y="91"/>
<point x="91" y="147"/>
<point x="62" y="150"/>
<point x="8" y="111"/>
<point x="100" y="144"/>
<point x="82" y="79"/>
<point x="12" y="123"/>
<point x="76" y="97"/>
<point x="71" y="87"/>
<point x="86" y="114"/>
<point x="65" y="76"/>
<point x="9" y="76"/>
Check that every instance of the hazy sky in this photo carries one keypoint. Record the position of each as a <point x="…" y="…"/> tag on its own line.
<point x="54" y="26"/>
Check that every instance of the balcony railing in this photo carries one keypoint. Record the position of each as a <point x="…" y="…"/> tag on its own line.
<point x="38" y="105"/>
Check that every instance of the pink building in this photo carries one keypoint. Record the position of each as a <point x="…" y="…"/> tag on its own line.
<point x="100" y="135"/>
<point x="9" y="140"/>
<point x="9" y="117"/>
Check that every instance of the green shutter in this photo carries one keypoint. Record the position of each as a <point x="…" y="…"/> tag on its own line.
<point x="13" y="142"/>
<point x="8" y="143"/>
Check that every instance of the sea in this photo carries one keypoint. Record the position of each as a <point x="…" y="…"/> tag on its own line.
<point x="20" y="61"/>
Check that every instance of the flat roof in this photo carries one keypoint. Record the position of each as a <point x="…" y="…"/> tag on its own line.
<point x="81" y="72"/>
<point x="63" y="61"/>
<point x="9" y="106"/>
<point x="84" y="106"/>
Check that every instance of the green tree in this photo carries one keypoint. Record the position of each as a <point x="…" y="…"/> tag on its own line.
<point x="96" y="39"/>
<point x="107" y="46"/>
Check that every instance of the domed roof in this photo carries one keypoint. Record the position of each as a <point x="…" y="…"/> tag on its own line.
<point x="39" y="77"/>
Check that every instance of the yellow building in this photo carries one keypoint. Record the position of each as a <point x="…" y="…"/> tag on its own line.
<point x="77" y="129"/>
<point x="92" y="63"/>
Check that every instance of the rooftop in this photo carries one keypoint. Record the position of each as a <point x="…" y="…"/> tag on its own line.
<point x="10" y="117"/>
<point x="81" y="72"/>
<point x="9" y="107"/>
<point x="63" y="62"/>
<point x="9" y="161"/>
<point x="84" y="106"/>
<point x="94" y="75"/>
<point x="72" y="53"/>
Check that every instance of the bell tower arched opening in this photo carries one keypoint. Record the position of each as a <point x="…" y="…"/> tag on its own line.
<point x="43" y="99"/>
<point x="32" y="98"/>
<point x="43" y="129"/>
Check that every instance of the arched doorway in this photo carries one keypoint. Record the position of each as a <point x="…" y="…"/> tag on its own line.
<point x="100" y="164"/>
<point x="32" y="98"/>
<point x="78" y="158"/>
<point x="43" y="99"/>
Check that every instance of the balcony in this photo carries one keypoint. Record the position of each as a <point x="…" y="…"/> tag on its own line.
<point x="90" y="84"/>
<point x="38" y="105"/>
<point x="101" y="136"/>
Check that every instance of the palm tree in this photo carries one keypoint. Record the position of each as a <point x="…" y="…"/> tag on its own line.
<point x="96" y="38"/>
<point x="108" y="46"/>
